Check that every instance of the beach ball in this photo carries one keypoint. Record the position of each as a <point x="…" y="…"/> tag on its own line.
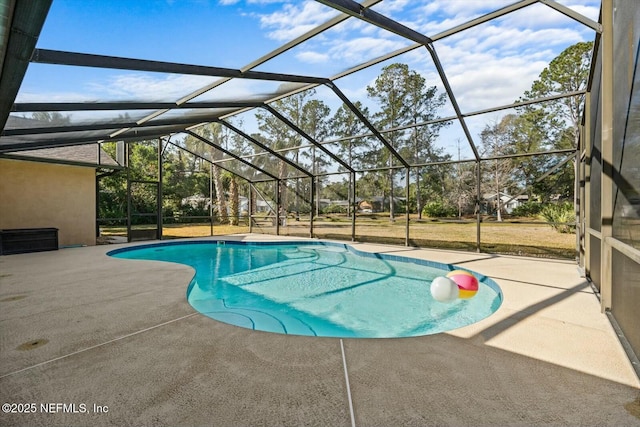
<point x="444" y="289"/>
<point x="467" y="282"/>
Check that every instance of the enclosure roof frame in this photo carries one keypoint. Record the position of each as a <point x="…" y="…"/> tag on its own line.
<point x="19" y="49"/>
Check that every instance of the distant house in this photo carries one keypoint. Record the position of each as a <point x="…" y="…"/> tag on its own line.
<point x="372" y="204"/>
<point x="53" y="188"/>
<point x="262" y="206"/>
<point x="380" y="204"/>
<point x="323" y="203"/>
<point x="365" y="206"/>
<point x="508" y="203"/>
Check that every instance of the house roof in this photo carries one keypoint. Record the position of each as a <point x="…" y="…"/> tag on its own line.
<point x="80" y="155"/>
<point x="91" y="155"/>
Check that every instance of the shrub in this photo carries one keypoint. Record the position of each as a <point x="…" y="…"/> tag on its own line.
<point x="438" y="209"/>
<point x="528" y="209"/>
<point x="334" y="209"/>
<point x="561" y="216"/>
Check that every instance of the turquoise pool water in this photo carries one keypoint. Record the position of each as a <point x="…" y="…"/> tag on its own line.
<point x="321" y="289"/>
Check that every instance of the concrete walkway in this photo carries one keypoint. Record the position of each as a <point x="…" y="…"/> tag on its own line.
<point x="86" y="339"/>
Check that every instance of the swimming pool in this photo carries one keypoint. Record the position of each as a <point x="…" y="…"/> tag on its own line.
<point x="318" y="288"/>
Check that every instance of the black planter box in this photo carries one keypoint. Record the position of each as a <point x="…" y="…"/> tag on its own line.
<point x="143" y="234"/>
<point x="23" y="240"/>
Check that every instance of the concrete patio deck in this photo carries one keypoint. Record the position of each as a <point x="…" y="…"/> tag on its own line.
<point x="95" y="340"/>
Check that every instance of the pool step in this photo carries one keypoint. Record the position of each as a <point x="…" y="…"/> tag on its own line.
<point x="250" y="318"/>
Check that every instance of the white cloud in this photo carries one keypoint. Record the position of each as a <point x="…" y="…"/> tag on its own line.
<point x="295" y="19"/>
<point x="289" y="33"/>
<point x="361" y="49"/>
<point x="540" y="15"/>
<point x="434" y="27"/>
<point x="591" y="11"/>
<point x="147" y="87"/>
<point x="465" y="9"/>
<point x="442" y="15"/>
<point x="512" y="40"/>
<point x="311" y="57"/>
<point x="438" y="15"/>
<point x="389" y="7"/>
<point x="482" y="80"/>
<point x="57" y="96"/>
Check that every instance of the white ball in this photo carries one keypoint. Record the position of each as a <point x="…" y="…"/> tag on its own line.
<point x="444" y="289"/>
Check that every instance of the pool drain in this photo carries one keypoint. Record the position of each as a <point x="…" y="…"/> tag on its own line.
<point x="32" y="344"/>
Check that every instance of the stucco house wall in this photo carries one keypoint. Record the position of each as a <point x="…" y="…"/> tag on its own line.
<point x="35" y="195"/>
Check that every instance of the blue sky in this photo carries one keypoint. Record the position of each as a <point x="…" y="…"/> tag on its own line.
<point x="492" y="64"/>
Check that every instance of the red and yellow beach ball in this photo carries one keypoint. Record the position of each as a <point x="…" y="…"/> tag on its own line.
<point x="467" y="283"/>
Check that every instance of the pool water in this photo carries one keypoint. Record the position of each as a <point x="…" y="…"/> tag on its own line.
<point x="319" y="289"/>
